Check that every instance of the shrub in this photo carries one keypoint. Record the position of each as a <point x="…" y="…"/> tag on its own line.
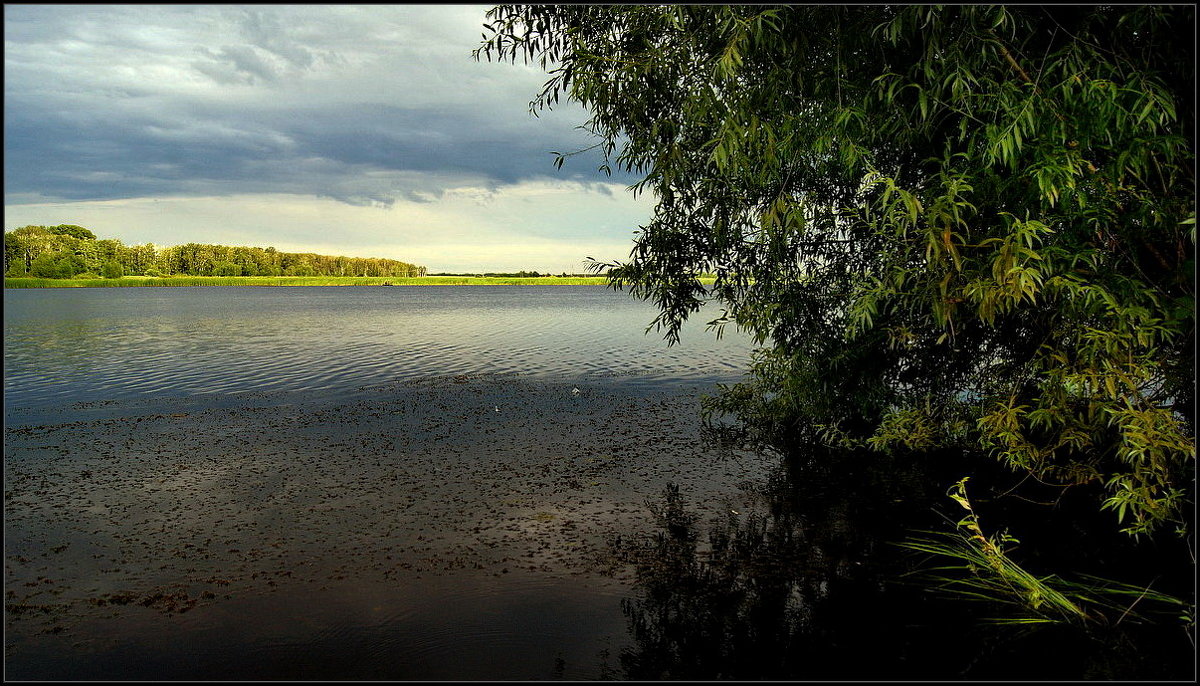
<point x="226" y="269"/>
<point x="44" y="266"/>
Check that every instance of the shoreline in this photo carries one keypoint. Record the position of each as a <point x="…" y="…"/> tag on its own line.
<point x="280" y="281"/>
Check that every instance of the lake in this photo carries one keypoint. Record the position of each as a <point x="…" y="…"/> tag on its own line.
<point x="341" y="482"/>
<point x="79" y="345"/>
<point x="465" y="482"/>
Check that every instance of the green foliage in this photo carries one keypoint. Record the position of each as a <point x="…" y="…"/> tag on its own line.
<point x="113" y="270"/>
<point x="162" y="280"/>
<point x="29" y="244"/>
<point x="226" y="269"/>
<point x="44" y="266"/>
<point x="57" y="265"/>
<point x="967" y="226"/>
<point x="983" y="569"/>
<point x="73" y="231"/>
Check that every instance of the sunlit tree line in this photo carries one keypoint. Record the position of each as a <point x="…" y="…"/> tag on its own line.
<point x="68" y="251"/>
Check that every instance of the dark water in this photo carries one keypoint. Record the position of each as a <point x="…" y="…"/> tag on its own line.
<point x="486" y="483"/>
<point x="365" y="483"/>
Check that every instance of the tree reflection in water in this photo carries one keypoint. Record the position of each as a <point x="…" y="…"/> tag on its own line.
<point x="809" y="586"/>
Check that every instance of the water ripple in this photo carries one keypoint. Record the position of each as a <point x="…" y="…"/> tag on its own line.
<point x="96" y="344"/>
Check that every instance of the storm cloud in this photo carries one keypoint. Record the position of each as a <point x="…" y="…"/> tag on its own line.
<point x="365" y="105"/>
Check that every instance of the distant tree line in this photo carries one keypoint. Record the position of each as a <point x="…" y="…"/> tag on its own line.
<point x="518" y="275"/>
<point x="69" y="251"/>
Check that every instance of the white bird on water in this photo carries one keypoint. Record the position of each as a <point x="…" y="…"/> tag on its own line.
<point x="574" y="391"/>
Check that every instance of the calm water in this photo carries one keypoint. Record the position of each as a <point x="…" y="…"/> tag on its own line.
<point x="81" y="345"/>
<point x="341" y="483"/>
<point x="430" y="482"/>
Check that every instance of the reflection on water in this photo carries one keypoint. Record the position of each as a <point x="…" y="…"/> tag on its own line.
<point x="103" y="343"/>
<point x="789" y="589"/>
<point x="453" y="627"/>
<point x="807" y="586"/>
<point x="391" y="483"/>
<point x="448" y="527"/>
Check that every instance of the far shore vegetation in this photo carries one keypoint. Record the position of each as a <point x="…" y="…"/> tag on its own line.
<point x="68" y="251"/>
<point x="71" y="256"/>
<point x="447" y="280"/>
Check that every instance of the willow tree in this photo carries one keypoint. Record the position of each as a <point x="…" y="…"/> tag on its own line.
<point x="965" y="226"/>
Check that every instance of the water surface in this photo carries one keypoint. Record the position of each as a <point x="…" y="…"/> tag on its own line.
<point x="83" y="345"/>
<point x="456" y="483"/>
<point x="342" y="482"/>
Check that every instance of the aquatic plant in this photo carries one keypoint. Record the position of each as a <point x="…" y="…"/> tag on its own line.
<point x="983" y="569"/>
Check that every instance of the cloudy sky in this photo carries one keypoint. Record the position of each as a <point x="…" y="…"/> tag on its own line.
<point x="366" y="131"/>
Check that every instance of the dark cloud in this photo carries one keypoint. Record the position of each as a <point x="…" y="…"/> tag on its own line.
<point x="267" y="55"/>
<point x="356" y="154"/>
<point x="222" y="101"/>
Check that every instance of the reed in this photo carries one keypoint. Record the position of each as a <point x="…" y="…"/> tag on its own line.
<point x="981" y="569"/>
